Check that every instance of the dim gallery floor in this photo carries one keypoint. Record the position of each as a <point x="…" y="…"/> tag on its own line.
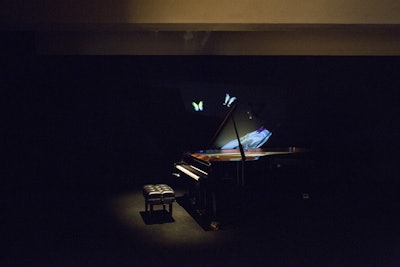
<point x="344" y="223"/>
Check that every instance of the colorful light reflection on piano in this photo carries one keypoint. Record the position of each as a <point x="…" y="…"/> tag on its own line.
<point x="254" y="139"/>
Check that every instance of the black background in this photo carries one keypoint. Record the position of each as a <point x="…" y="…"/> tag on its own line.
<point x="102" y="117"/>
<point x="78" y="131"/>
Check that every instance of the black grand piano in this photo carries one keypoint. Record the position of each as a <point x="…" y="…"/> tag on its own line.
<point x="217" y="178"/>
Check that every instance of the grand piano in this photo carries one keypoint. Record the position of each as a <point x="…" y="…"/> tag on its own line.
<point x="217" y="178"/>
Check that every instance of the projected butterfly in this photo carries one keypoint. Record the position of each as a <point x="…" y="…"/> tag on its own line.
<point x="198" y="106"/>
<point x="229" y="100"/>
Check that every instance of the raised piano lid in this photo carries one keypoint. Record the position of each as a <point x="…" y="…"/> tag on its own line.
<point x="235" y="138"/>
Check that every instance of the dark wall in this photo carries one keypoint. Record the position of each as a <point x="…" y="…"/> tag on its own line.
<point x="101" y="117"/>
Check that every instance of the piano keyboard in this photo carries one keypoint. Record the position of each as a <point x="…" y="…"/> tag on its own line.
<point x="191" y="171"/>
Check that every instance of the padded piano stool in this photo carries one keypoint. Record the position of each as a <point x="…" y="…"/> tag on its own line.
<point x="158" y="194"/>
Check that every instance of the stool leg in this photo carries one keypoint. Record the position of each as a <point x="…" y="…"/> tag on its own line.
<point x="146" y="204"/>
<point x="170" y="209"/>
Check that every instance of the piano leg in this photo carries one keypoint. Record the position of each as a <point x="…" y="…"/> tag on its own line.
<point x="214" y="225"/>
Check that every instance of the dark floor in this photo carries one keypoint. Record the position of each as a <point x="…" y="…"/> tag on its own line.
<point x="345" y="222"/>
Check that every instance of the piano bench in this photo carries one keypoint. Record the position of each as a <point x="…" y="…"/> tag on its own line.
<point x="158" y="194"/>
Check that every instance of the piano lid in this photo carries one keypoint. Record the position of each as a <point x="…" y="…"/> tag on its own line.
<point x="240" y="130"/>
<point x="245" y="108"/>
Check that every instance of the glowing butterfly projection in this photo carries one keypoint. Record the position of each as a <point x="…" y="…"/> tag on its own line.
<point x="198" y="106"/>
<point x="229" y="100"/>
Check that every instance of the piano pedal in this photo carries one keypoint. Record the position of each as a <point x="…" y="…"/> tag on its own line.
<point x="214" y="225"/>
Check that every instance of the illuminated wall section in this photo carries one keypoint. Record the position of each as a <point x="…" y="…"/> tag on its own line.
<point x="273" y="27"/>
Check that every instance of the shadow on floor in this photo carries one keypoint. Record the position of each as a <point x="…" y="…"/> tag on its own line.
<point x="156" y="217"/>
